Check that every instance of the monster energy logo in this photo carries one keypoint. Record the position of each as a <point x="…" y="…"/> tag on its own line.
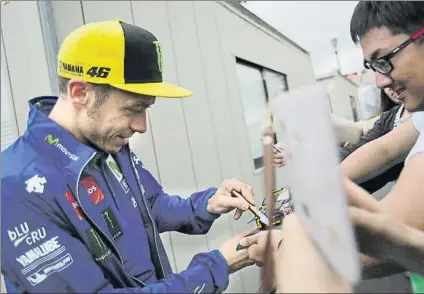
<point x="112" y="223"/>
<point x="159" y="53"/>
<point x="99" y="241"/>
<point x="108" y="220"/>
<point x="97" y="246"/>
<point x="55" y="141"/>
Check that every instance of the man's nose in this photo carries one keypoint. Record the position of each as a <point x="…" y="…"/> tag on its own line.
<point x="382" y="81"/>
<point x="138" y="124"/>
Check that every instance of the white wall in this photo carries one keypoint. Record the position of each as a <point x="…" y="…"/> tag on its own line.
<point x="340" y="98"/>
<point x="369" y="97"/>
<point x="192" y="143"/>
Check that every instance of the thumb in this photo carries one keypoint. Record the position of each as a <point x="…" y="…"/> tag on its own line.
<point x="250" y="240"/>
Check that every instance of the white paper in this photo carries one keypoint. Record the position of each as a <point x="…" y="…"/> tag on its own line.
<point x="304" y="126"/>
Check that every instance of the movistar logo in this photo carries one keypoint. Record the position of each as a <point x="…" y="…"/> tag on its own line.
<point x="55" y="141"/>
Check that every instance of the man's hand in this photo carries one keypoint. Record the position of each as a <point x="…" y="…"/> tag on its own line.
<point x="236" y="259"/>
<point x="278" y="156"/>
<point x="257" y="244"/>
<point x="223" y="202"/>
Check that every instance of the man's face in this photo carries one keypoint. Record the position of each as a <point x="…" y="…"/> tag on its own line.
<point x="110" y="125"/>
<point x="407" y="77"/>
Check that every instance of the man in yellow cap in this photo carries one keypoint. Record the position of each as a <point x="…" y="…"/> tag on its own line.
<point x="80" y="213"/>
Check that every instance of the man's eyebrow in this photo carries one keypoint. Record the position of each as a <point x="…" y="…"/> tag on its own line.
<point x="141" y="103"/>
<point x="380" y="52"/>
<point x="375" y="54"/>
<point x="144" y="103"/>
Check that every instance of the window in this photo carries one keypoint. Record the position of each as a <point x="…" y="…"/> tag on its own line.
<point x="257" y="86"/>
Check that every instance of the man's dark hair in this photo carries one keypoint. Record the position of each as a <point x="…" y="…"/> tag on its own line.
<point x="102" y="91"/>
<point x="400" y="17"/>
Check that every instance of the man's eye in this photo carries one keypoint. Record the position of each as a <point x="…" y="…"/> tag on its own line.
<point x="135" y="111"/>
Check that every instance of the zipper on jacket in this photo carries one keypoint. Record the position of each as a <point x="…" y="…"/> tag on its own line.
<point x="94" y="223"/>
<point x="148" y="212"/>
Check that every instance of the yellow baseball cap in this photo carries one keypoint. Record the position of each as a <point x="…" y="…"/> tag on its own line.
<point x="122" y="55"/>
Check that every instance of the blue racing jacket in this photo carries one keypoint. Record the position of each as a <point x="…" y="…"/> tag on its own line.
<point x="62" y="234"/>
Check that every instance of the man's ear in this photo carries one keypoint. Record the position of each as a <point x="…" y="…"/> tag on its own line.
<point x="79" y="91"/>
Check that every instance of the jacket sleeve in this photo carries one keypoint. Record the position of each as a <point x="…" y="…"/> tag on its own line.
<point x="381" y="127"/>
<point x="206" y="273"/>
<point x="40" y="254"/>
<point x="175" y="213"/>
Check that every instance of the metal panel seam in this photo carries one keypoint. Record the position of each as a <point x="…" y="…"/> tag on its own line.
<point x="51" y="46"/>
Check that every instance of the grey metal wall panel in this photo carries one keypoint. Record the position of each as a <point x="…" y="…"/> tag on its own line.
<point x="169" y="127"/>
<point x="217" y="89"/>
<point x="222" y="119"/>
<point x="167" y="116"/>
<point x="26" y="56"/>
<point x="227" y="32"/>
<point x="106" y="10"/>
<point x="9" y="128"/>
<point x="68" y="16"/>
<point x="198" y="116"/>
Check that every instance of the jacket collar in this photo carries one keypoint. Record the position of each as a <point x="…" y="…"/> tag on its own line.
<point x="50" y="138"/>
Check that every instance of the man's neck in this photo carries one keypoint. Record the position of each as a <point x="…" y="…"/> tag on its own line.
<point x="62" y="114"/>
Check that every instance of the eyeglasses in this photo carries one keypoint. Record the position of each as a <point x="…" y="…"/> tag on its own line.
<point x="383" y="64"/>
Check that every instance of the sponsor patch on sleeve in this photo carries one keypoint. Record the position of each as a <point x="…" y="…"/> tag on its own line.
<point x="45" y="255"/>
<point x="75" y="205"/>
<point x="53" y="267"/>
<point x="23" y="234"/>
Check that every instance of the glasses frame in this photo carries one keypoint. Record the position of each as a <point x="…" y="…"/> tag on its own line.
<point x="387" y="58"/>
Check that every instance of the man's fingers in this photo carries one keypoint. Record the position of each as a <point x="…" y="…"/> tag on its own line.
<point x="235" y="202"/>
<point x="238" y="214"/>
<point x="279" y="146"/>
<point x="253" y="253"/>
<point x="359" y="197"/>
<point x="251" y="240"/>
<point x="244" y="189"/>
<point x="247" y="192"/>
<point x="278" y="162"/>
<point x="277" y="155"/>
<point x="246" y="232"/>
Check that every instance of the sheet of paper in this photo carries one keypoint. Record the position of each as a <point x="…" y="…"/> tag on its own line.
<point x="304" y="126"/>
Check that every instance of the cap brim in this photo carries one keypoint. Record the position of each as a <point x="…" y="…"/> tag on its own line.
<point x="165" y="90"/>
